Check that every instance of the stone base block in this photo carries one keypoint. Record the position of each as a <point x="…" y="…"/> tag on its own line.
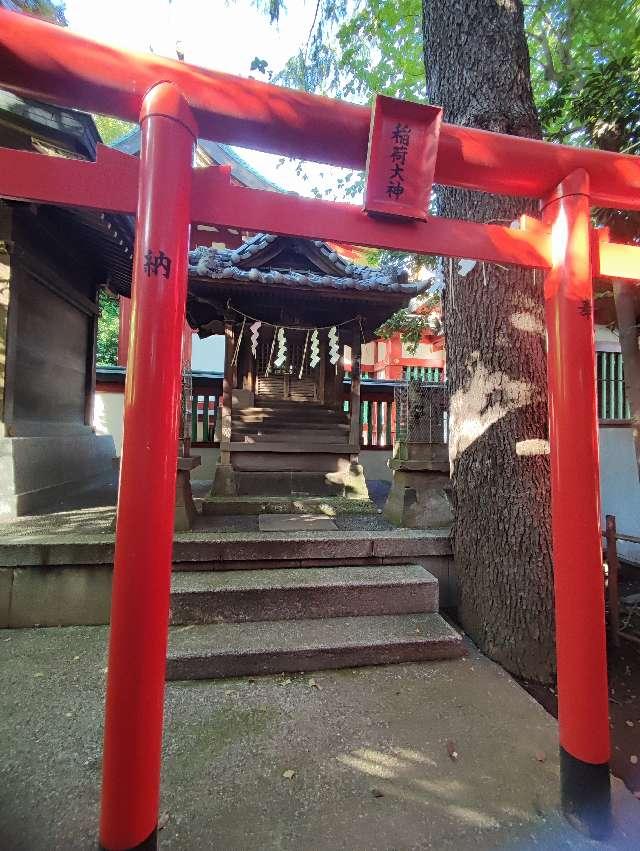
<point x="185" y="511"/>
<point x="331" y="506"/>
<point x="36" y="473"/>
<point x="224" y="481"/>
<point x="418" y="500"/>
<point x="56" y="596"/>
<point x="347" y="482"/>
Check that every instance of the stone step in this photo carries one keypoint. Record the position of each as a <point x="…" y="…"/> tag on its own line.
<point x="301" y="593"/>
<point x="282" y="436"/>
<point x="287" y="448"/>
<point x="293" y="503"/>
<point x="210" y="549"/>
<point x="278" y="425"/>
<point x="294" y="410"/>
<point x="241" y="551"/>
<point x="270" y="647"/>
<point x="320" y="417"/>
<point x="287" y="483"/>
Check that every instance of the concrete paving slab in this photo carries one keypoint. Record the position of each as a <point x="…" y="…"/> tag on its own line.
<point x="295" y="523"/>
<point x="367" y="748"/>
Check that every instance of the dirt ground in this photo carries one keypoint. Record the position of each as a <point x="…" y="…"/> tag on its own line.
<point x="624" y="692"/>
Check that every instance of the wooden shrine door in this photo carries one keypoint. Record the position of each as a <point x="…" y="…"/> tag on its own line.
<point x="294" y="380"/>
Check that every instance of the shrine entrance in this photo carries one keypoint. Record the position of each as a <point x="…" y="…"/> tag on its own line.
<point x="294" y="380"/>
<point x="175" y="104"/>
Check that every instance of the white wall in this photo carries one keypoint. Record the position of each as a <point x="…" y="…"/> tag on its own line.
<point x="108" y="410"/>
<point x="208" y="355"/>
<point x="107" y="419"/>
<point x="606" y="339"/>
<point x="620" y="487"/>
<point x="423" y="350"/>
<point x="368" y="353"/>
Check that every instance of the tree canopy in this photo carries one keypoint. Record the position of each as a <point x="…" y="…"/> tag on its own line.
<point x="585" y="61"/>
<point x="585" y="72"/>
<point x="48" y="10"/>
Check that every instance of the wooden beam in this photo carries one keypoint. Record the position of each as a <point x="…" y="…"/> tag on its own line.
<point x="214" y="200"/>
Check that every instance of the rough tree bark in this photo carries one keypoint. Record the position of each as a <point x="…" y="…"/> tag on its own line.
<point x="477" y="66"/>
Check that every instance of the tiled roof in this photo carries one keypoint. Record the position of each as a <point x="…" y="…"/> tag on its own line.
<point x="227" y="264"/>
<point x="209" y="152"/>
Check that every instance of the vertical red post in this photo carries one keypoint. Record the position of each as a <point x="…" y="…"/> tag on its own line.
<point x="575" y="487"/>
<point x="144" y="532"/>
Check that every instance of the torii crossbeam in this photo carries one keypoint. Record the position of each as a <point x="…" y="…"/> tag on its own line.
<point x="175" y="103"/>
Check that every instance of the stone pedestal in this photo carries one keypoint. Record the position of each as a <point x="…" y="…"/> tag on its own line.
<point x="37" y="473"/>
<point x="224" y="481"/>
<point x="418" y="498"/>
<point x="185" y="511"/>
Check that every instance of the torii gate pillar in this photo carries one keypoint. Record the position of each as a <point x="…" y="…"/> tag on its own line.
<point x="144" y="531"/>
<point x="583" y="704"/>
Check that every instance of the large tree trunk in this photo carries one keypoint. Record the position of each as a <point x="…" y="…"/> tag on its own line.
<point x="477" y="66"/>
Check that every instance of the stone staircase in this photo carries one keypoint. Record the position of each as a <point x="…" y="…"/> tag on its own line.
<point x="322" y="607"/>
<point x="290" y="450"/>
<point x="290" y="421"/>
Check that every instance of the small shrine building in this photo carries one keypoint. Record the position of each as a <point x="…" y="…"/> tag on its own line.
<point x="288" y="307"/>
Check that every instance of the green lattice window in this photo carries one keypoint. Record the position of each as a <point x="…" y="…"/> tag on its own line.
<point x="612" y="399"/>
<point x="422" y="373"/>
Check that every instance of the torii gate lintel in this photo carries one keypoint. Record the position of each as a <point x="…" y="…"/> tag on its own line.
<point x="110" y="184"/>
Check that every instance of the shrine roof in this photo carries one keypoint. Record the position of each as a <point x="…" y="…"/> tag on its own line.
<point x="262" y="259"/>
<point x="105" y="239"/>
<point x="207" y="153"/>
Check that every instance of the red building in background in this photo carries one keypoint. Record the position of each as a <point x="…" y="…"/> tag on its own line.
<point x="395" y="360"/>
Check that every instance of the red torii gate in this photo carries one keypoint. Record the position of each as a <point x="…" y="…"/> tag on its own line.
<point x="175" y="103"/>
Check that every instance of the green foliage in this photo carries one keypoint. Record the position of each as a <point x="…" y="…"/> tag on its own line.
<point x="388" y="260"/>
<point x="112" y="129"/>
<point x="607" y="105"/>
<point x="108" y="327"/>
<point x="272" y="8"/>
<point x="48" y="10"/>
<point x="582" y="59"/>
<point x="259" y="65"/>
<point x="381" y="51"/>
<point x="358" y="49"/>
<point x="413" y="325"/>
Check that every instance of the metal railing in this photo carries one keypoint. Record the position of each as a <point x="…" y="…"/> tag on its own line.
<point x="632" y="613"/>
<point x="422" y="411"/>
